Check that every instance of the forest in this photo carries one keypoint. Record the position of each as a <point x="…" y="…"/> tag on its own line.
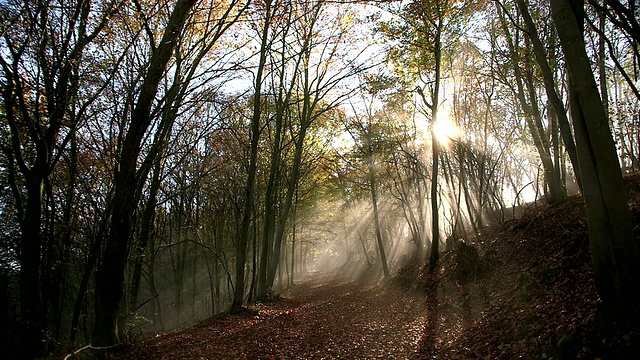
<point x="167" y="162"/>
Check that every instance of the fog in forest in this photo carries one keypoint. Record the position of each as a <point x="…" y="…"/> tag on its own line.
<point x="166" y="162"/>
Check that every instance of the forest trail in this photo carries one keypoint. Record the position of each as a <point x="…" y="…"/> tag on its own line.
<point x="522" y="288"/>
<point x="324" y="317"/>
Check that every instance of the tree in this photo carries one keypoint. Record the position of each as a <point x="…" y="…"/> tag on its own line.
<point x="550" y="86"/>
<point x="615" y="251"/>
<point x="321" y="45"/>
<point x="429" y="29"/>
<point x="281" y="60"/>
<point x="45" y="62"/>
<point x="369" y="134"/>
<point x="526" y="93"/>
<point x="110" y="275"/>
<point x="254" y="136"/>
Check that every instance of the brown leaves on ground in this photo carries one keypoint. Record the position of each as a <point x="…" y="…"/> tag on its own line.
<point x="526" y="290"/>
<point x="340" y="319"/>
<point x="534" y="294"/>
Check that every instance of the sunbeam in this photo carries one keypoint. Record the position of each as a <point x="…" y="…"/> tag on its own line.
<point x="445" y="130"/>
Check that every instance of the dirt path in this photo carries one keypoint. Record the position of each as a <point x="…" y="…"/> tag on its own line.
<point x="322" y="319"/>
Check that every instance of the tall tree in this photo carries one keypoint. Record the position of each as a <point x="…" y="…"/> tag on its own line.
<point x="614" y="249"/>
<point x="45" y="56"/>
<point x="110" y="275"/>
<point x="526" y="93"/>
<point x="321" y="33"/>
<point x="551" y="88"/>
<point x="429" y="28"/>
<point x="281" y="60"/>
<point x="369" y="133"/>
<point x="193" y="51"/>
<point x="265" y="13"/>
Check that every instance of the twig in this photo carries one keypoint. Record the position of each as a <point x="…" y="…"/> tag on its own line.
<point x="141" y="305"/>
<point x="75" y="353"/>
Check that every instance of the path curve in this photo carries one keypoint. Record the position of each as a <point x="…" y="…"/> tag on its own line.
<point x="323" y="319"/>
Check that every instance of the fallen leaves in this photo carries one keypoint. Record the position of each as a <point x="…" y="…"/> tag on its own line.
<point x="348" y="319"/>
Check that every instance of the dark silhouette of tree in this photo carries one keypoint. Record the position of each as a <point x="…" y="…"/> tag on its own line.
<point x="110" y="275"/>
<point x="614" y="249"/>
<point x="45" y="60"/>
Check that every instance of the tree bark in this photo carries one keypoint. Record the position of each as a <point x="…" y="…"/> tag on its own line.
<point x="110" y="275"/>
<point x="614" y="250"/>
<point x="245" y="225"/>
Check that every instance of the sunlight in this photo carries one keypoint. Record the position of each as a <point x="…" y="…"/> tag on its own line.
<point x="445" y="130"/>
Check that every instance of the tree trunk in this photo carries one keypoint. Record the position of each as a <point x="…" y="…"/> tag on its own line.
<point x="435" y="226"/>
<point x="293" y="242"/>
<point x="148" y="218"/>
<point x="84" y="281"/>
<point x="614" y="250"/>
<point x="307" y="116"/>
<point x="31" y="314"/>
<point x="376" y="217"/>
<point x="243" y="235"/>
<point x="550" y="87"/>
<point x="281" y="104"/>
<point x="435" y="98"/>
<point x="532" y="112"/>
<point x="270" y="214"/>
<point x="110" y="275"/>
<point x="60" y="278"/>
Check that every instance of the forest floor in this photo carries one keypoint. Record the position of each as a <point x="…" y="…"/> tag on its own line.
<point x="520" y="289"/>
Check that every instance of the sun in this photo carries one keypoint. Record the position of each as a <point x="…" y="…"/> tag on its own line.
<point x="446" y="131"/>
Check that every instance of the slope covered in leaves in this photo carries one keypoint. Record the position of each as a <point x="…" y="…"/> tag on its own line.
<point x="521" y="289"/>
<point x="525" y="289"/>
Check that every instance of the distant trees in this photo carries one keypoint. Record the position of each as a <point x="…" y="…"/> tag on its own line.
<point x="321" y="42"/>
<point x="373" y="143"/>
<point x="428" y="31"/>
<point x="300" y="65"/>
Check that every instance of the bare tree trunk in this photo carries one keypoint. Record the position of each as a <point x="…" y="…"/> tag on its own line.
<point x="434" y="256"/>
<point x="110" y="275"/>
<point x="293" y="185"/>
<point x="293" y="241"/>
<point x="281" y="105"/>
<point x="243" y="236"/>
<point x="614" y="250"/>
<point x="435" y="226"/>
<point x="376" y="217"/>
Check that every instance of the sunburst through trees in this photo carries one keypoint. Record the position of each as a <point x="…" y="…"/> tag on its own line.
<point x="163" y="162"/>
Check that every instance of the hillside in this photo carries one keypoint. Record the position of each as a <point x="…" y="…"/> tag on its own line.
<point x="520" y="289"/>
<point x="527" y="292"/>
